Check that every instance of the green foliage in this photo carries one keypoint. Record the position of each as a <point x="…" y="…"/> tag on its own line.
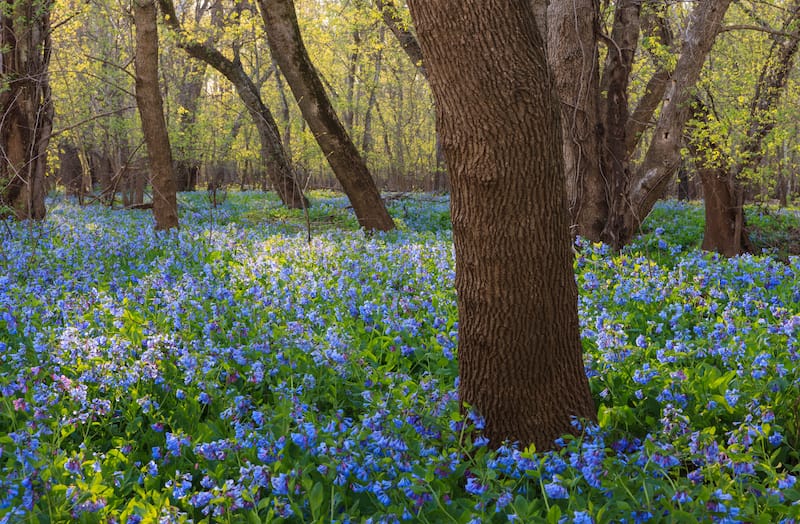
<point x="234" y="372"/>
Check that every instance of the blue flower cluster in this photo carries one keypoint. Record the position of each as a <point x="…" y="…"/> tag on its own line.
<point x="233" y="371"/>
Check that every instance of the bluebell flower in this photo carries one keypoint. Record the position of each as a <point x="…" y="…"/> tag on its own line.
<point x="554" y="490"/>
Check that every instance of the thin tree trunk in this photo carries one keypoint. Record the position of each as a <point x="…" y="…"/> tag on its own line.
<point x="616" y="77"/>
<point x="367" y="140"/>
<point x="26" y="108"/>
<point x="187" y="167"/>
<point x="499" y="123"/>
<point x="285" y="42"/>
<point x="286" y="137"/>
<point x="350" y="83"/>
<point x="276" y="161"/>
<point x="403" y="34"/>
<point x="154" y="128"/>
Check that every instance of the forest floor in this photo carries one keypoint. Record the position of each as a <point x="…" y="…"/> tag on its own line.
<point x="233" y="371"/>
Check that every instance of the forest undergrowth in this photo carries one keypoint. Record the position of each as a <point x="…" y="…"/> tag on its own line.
<point x="232" y="371"/>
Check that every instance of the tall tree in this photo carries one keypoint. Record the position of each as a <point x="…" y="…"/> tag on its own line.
<point x="520" y="357"/>
<point x="610" y="195"/>
<point x="26" y="109"/>
<point x="724" y="175"/>
<point x="286" y="45"/>
<point x="151" y="110"/>
<point x="279" y="167"/>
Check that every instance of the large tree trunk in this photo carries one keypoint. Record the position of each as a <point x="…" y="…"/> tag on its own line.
<point x="151" y="110"/>
<point x="286" y="44"/>
<point x="572" y="51"/>
<point x="26" y="108"/>
<point x="276" y="161"/>
<point x="520" y="355"/>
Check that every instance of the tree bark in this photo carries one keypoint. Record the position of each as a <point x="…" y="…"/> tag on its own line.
<point x="276" y="161"/>
<point x="724" y="230"/>
<point x="367" y="140"/>
<point x="26" y="108"/>
<point x="572" y="51"/>
<point x="615" y="81"/>
<point x="154" y="128"/>
<point x="288" y="50"/>
<point x="662" y="159"/>
<point x="520" y="356"/>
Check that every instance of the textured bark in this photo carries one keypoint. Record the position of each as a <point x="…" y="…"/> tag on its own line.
<point x="662" y="159"/>
<point x="519" y="347"/>
<point x="573" y="53"/>
<point x="616" y="78"/>
<point x="657" y="25"/>
<point x="539" y="9"/>
<point x="276" y="161"/>
<point x="26" y="109"/>
<point x="151" y="110"/>
<point x="286" y="44"/>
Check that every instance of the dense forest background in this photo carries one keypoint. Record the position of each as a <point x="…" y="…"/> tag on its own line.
<point x="381" y="97"/>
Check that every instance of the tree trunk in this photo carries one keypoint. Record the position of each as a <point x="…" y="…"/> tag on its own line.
<point x="348" y="118"/>
<point x="367" y="140"/>
<point x="616" y="77"/>
<point x="69" y="171"/>
<point x="187" y="167"/>
<point x="275" y="159"/>
<point x="285" y="113"/>
<point x="663" y="156"/>
<point x="725" y="230"/>
<point x="520" y="355"/>
<point x="403" y="34"/>
<point x="572" y="51"/>
<point x="154" y="128"/>
<point x="285" y="42"/>
<point x="26" y="108"/>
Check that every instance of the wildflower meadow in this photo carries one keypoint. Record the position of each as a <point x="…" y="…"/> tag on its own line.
<point x="232" y="371"/>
